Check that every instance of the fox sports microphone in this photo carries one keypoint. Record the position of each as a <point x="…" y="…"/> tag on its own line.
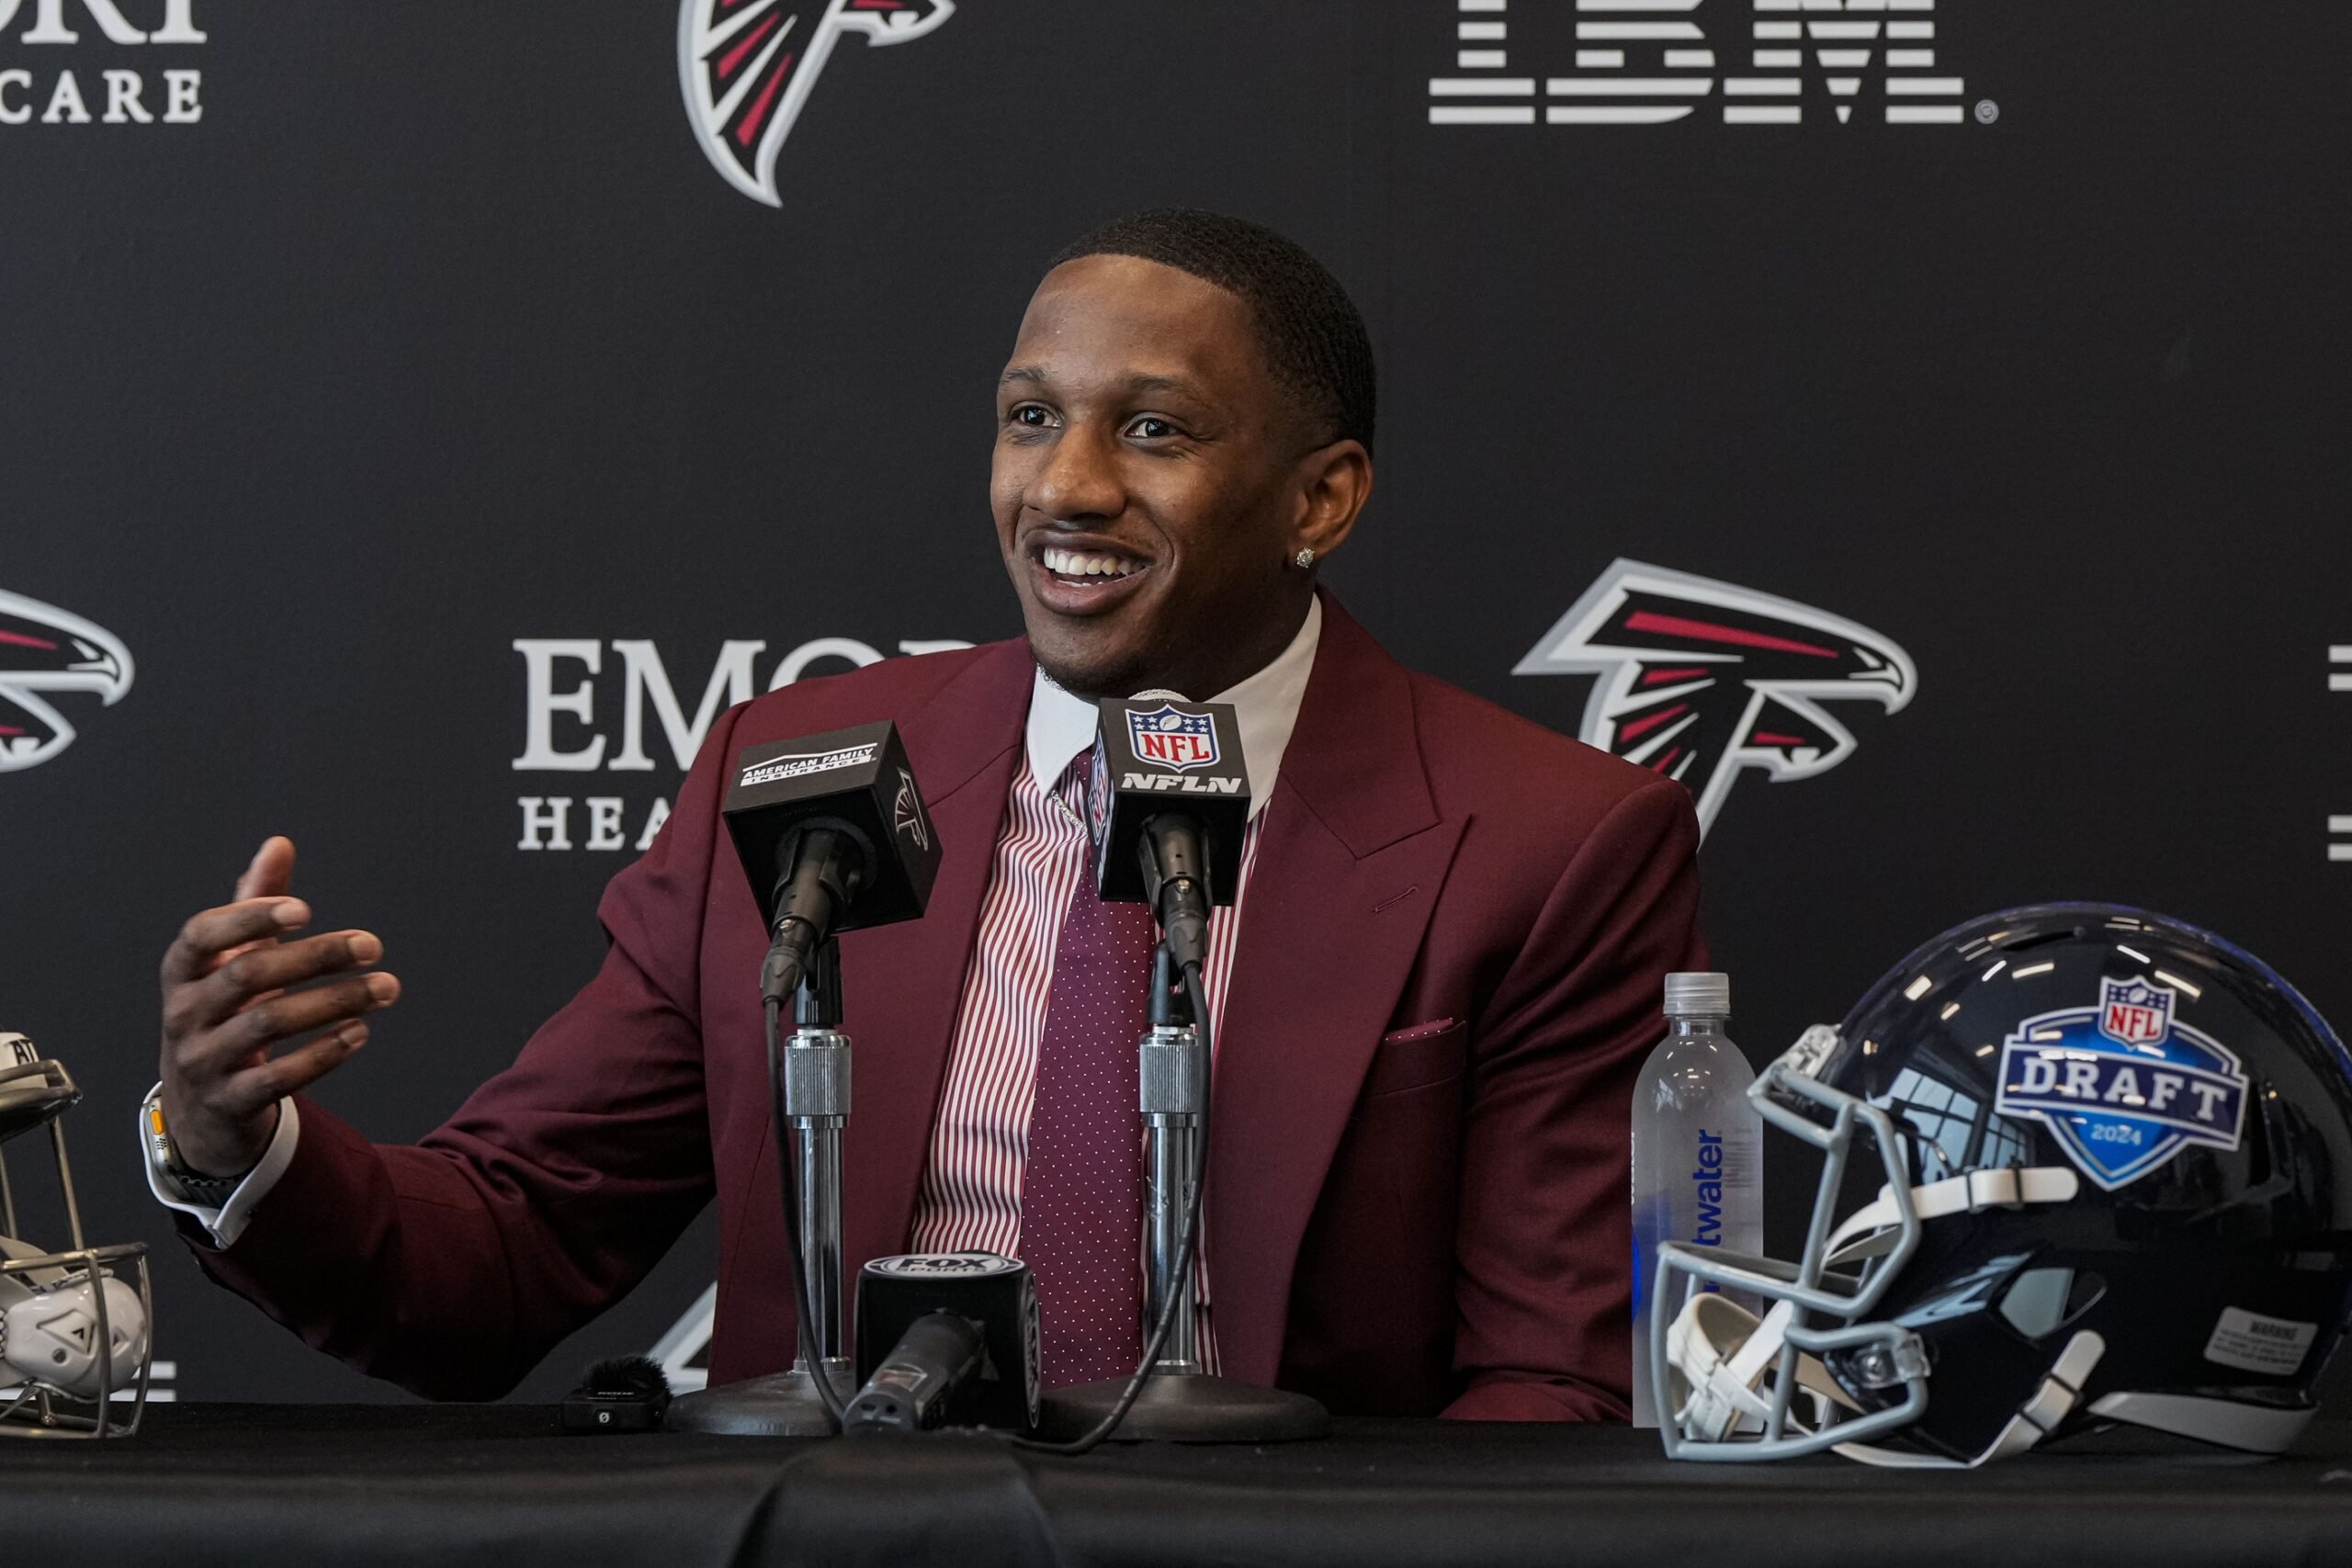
<point x="1170" y="801"/>
<point x="833" y="836"/>
<point x="945" y="1339"/>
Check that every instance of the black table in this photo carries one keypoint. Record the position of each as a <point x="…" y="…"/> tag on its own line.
<point x="289" y="1486"/>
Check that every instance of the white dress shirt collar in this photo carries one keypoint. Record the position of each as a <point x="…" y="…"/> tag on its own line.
<point x="1062" y="726"/>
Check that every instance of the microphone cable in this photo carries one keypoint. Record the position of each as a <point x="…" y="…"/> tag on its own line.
<point x="1092" y="1437"/>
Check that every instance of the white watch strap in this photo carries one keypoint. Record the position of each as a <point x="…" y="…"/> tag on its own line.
<point x="228" y="1222"/>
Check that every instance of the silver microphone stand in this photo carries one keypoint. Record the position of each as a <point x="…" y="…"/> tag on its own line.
<point x="814" y="1064"/>
<point x="1179" y="1403"/>
<point x="1174" y="1083"/>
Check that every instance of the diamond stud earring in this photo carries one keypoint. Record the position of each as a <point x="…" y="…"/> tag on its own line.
<point x="1305" y="560"/>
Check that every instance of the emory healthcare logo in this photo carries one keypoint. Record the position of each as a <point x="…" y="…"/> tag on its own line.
<point x="43" y="649"/>
<point x="2123" y="1086"/>
<point x="99" y="83"/>
<point x="1655" y="62"/>
<point x="1700" y="680"/>
<point x="747" y="67"/>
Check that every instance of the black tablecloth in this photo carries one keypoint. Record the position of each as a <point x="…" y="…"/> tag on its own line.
<point x="277" y="1486"/>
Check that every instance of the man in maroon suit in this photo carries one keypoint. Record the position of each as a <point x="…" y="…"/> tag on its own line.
<point x="1441" y="975"/>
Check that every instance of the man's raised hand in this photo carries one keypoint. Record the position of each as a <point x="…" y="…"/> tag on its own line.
<point x="229" y="997"/>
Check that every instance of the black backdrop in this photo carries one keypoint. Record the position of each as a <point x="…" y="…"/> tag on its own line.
<point x="436" y="331"/>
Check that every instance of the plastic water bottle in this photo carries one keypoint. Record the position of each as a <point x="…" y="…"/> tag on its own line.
<point x="1696" y="1146"/>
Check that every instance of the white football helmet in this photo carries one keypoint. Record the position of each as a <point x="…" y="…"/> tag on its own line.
<point x="73" y="1337"/>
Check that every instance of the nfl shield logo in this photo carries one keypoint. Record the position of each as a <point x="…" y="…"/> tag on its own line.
<point x="1166" y="737"/>
<point x="2133" y="1013"/>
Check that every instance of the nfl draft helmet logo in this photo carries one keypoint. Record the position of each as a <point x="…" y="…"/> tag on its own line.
<point x="2123" y="1085"/>
<point x="747" y="67"/>
<point x="45" y="650"/>
<point x="1701" y="680"/>
<point x="1165" y="737"/>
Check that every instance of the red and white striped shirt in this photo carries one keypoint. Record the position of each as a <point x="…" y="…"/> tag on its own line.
<point x="970" y="1198"/>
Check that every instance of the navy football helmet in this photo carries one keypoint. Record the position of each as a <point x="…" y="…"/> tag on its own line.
<point x="2117" y="1157"/>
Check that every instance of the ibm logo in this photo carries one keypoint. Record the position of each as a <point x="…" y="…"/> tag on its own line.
<point x="1649" y="61"/>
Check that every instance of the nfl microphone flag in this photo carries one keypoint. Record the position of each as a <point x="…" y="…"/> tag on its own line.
<point x="1157" y="755"/>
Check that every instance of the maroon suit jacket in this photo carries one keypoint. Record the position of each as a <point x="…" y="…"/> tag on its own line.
<point x="1447" y="981"/>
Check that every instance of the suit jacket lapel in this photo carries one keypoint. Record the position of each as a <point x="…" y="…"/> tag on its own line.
<point x="1347" y="875"/>
<point x="903" y="985"/>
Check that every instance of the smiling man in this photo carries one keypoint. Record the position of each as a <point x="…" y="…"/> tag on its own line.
<point x="1434" y="990"/>
<point x="1167" y="473"/>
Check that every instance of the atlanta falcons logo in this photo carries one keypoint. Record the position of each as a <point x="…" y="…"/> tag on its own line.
<point x="45" y="650"/>
<point x="1700" y="680"/>
<point x="749" y="66"/>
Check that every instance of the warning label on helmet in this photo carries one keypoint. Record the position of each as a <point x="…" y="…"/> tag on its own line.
<point x="2253" y="1343"/>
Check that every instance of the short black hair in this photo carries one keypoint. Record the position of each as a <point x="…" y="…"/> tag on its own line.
<point x="1313" y="334"/>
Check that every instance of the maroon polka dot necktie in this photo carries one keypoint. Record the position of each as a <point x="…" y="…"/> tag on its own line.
<point x="1081" y="1190"/>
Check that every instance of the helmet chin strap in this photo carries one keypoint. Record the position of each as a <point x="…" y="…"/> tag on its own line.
<point x="2062" y="1386"/>
<point x="1720" y="1352"/>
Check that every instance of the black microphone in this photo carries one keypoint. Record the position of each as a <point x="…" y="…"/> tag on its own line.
<point x="1169" y="802"/>
<point x="833" y="836"/>
<point x="622" y="1393"/>
<point x="945" y="1339"/>
<point x="911" y="1390"/>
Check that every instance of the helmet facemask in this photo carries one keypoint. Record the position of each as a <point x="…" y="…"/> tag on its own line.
<point x="1818" y="1370"/>
<point x="74" y="1323"/>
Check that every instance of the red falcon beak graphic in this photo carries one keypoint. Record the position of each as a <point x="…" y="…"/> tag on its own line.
<point x="43" y="649"/>
<point x="747" y="67"/>
<point x="1700" y="680"/>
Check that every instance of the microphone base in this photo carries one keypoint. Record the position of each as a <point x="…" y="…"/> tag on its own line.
<point x="781" y="1405"/>
<point x="1186" y="1408"/>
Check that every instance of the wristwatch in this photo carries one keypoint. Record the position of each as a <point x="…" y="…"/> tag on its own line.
<point x="204" y="1191"/>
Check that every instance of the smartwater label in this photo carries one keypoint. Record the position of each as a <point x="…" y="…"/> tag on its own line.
<point x="2253" y="1343"/>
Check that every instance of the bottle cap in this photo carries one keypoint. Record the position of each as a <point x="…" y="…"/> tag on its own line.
<point x="1706" y="995"/>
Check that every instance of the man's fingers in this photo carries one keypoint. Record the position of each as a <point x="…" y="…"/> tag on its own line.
<point x="272" y="871"/>
<point x="193" y="953"/>
<point x="264" y="1084"/>
<point x="276" y="966"/>
<point x="265" y="1024"/>
<point x="270" y="874"/>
